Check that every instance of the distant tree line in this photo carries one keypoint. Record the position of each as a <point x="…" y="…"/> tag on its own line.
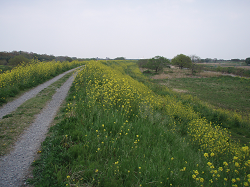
<point x="182" y="61"/>
<point x="215" y="60"/>
<point x="16" y="57"/>
<point x="120" y="58"/>
<point x="191" y="62"/>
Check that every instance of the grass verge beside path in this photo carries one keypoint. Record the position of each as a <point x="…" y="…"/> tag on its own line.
<point x="12" y="125"/>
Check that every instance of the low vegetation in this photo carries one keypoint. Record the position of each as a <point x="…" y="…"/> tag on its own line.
<point x="28" y="75"/>
<point x="218" y="98"/>
<point x="119" y="129"/>
<point x="4" y="68"/>
<point x="227" y="92"/>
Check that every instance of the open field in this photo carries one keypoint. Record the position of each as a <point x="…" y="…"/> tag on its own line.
<point x="217" y="90"/>
<point x="226" y="64"/>
<point x="227" y="92"/>
<point x="119" y="129"/>
<point x="236" y="68"/>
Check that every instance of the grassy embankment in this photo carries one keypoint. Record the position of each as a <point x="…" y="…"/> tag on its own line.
<point x="116" y="131"/>
<point x="26" y="76"/>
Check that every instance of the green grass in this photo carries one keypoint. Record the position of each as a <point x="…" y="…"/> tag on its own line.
<point x="4" y="68"/>
<point x="12" y="125"/>
<point x="226" y="92"/>
<point x="100" y="148"/>
<point x="209" y="95"/>
<point x="96" y="144"/>
<point x="236" y="70"/>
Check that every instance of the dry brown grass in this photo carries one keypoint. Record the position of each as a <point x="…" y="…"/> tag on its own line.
<point x="169" y="73"/>
<point x="210" y="74"/>
<point x="180" y="90"/>
<point x="244" y="67"/>
<point x="183" y="73"/>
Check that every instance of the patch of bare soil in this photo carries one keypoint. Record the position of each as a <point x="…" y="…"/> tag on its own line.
<point x="175" y="89"/>
<point x="179" y="90"/>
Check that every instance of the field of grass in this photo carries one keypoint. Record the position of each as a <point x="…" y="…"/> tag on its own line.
<point x="236" y="68"/>
<point x="226" y="92"/>
<point x="221" y="95"/>
<point x="119" y="129"/>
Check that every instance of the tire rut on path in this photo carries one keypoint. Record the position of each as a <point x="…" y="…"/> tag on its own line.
<point x="12" y="106"/>
<point x="14" y="166"/>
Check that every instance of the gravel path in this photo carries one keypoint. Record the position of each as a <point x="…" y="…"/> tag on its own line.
<point x="14" y="166"/>
<point x="12" y="106"/>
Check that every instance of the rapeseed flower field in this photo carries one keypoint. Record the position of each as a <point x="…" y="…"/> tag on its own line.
<point x="28" y="75"/>
<point x="116" y="131"/>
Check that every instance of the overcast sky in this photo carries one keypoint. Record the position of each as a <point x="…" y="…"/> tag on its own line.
<point x="127" y="28"/>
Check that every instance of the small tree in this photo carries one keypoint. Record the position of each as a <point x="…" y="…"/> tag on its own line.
<point x="195" y="67"/>
<point x="142" y="63"/>
<point x="182" y="61"/>
<point x="195" y="58"/>
<point x="247" y="61"/>
<point x="69" y="59"/>
<point x="157" y="63"/>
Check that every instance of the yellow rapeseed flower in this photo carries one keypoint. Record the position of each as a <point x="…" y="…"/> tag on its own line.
<point x="237" y="164"/>
<point x="206" y="155"/>
<point x="246" y="184"/>
<point x="209" y="164"/>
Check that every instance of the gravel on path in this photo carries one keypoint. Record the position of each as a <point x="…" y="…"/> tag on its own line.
<point x="14" y="166"/>
<point x="12" y="106"/>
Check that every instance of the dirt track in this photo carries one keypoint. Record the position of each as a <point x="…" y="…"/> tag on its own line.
<point x="14" y="166"/>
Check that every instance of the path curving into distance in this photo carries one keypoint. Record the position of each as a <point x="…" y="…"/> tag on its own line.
<point x="14" y="166"/>
<point x="12" y="106"/>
